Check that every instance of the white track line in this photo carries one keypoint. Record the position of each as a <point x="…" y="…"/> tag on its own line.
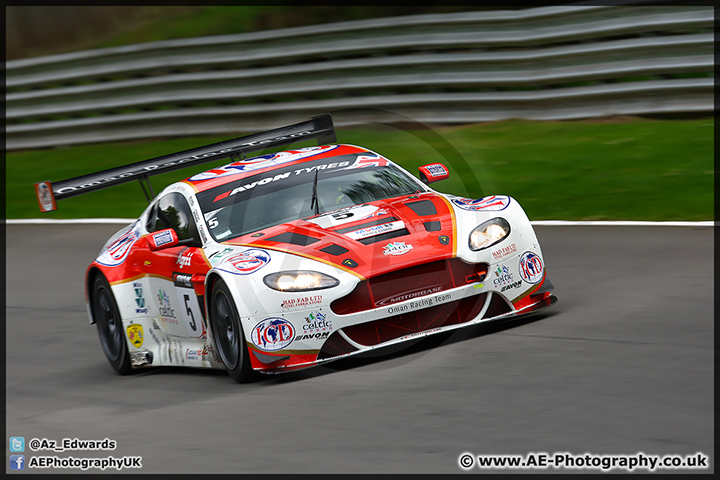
<point x="541" y="223"/>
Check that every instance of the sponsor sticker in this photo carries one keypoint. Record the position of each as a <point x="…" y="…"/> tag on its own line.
<point x="313" y="336"/>
<point x="436" y="170"/>
<point x="503" y="276"/>
<point x="511" y="286"/>
<point x="196" y="354"/>
<point x="139" y="299"/>
<point x="420" y="303"/>
<point x="184" y="260"/>
<point x="182" y="280"/>
<point x="273" y="334"/>
<point x="45" y="196"/>
<point x="162" y="238"/>
<point x="493" y="203"/>
<point x="302" y="302"/>
<point x="245" y="262"/>
<point x="316" y="322"/>
<point x="135" y="334"/>
<point x="531" y="267"/>
<point x="397" y="248"/>
<point x="504" y="251"/>
<point x="401" y="297"/>
<point x="376" y="230"/>
<point x="166" y="311"/>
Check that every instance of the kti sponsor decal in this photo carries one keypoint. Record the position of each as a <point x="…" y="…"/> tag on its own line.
<point x="504" y="252"/>
<point x="116" y="253"/>
<point x="261" y="161"/>
<point x="139" y="299"/>
<point x="246" y="262"/>
<point x="396" y="248"/>
<point x="196" y="354"/>
<point x="531" y="267"/>
<point x="493" y="203"/>
<point x="302" y="302"/>
<point x="135" y="334"/>
<point x="273" y="334"/>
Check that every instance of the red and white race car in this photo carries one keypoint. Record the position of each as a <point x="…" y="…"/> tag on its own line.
<point x="287" y="260"/>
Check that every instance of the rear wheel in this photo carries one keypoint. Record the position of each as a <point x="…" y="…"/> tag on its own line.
<point x="228" y="334"/>
<point x="109" y="326"/>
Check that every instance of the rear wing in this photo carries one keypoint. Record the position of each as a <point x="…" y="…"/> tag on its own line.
<point x="319" y="127"/>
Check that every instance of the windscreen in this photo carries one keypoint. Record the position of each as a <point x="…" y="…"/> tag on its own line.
<point x="301" y="191"/>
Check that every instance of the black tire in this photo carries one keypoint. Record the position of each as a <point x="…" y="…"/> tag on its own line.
<point x="109" y="325"/>
<point x="228" y="334"/>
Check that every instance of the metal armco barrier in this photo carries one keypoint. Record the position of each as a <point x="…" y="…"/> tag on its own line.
<point x="540" y="63"/>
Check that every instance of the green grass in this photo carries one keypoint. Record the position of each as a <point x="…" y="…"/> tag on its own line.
<point x="632" y="169"/>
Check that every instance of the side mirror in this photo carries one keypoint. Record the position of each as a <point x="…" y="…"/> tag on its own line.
<point x="433" y="172"/>
<point x="162" y="239"/>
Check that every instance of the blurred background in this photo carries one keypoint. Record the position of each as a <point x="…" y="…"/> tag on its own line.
<point x="580" y="111"/>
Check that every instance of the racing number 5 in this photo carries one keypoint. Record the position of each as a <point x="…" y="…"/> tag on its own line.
<point x="192" y="323"/>
<point x="189" y="310"/>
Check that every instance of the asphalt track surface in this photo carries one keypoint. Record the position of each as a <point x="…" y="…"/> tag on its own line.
<point x="622" y="364"/>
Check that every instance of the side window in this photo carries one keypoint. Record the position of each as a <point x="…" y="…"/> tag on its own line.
<point x="173" y="211"/>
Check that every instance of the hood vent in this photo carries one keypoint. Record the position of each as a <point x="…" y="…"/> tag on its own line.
<point x="293" y="239"/>
<point x="423" y="208"/>
<point x="334" y="249"/>
<point x="435" y="226"/>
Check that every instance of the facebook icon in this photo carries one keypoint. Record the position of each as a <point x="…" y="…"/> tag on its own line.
<point x="17" y="462"/>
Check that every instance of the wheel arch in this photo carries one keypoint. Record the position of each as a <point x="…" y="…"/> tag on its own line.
<point x="92" y="272"/>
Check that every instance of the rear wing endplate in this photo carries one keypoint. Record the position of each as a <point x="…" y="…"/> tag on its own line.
<point x="319" y="127"/>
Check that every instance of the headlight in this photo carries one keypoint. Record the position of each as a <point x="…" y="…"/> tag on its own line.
<point x="299" y="281"/>
<point x="489" y="233"/>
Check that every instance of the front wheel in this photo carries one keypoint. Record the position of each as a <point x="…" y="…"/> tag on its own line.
<point x="109" y="326"/>
<point x="228" y="334"/>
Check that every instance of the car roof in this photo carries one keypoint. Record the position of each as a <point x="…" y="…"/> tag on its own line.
<point x="244" y="168"/>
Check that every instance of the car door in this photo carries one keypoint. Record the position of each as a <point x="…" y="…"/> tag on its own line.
<point x="176" y="274"/>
